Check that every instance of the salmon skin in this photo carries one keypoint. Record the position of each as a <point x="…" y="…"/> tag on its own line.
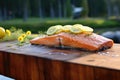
<point x="91" y="42"/>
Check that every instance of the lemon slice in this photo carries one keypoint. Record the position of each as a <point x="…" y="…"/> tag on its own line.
<point x="86" y="30"/>
<point x="52" y="30"/>
<point x="75" y="29"/>
<point x="2" y="32"/>
<point x="66" y="28"/>
<point x="59" y="28"/>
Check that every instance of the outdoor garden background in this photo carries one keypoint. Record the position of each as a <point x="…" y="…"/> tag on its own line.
<point x="38" y="15"/>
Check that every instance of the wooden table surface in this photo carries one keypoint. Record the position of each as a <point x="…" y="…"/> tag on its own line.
<point x="41" y="51"/>
<point x="33" y="62"/>
<point x="107" y="59"/>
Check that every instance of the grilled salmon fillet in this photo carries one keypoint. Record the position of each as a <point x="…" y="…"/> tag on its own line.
<point x="91" y="42"/>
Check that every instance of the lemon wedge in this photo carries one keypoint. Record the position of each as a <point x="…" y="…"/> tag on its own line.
<point x="86" y="29"/>
<point x="66" y="28"/>
<point x="75" y="29"/>
<point x="2" y="32"/>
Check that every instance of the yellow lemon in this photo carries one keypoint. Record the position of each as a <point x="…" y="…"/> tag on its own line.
<point x="8" y="32"/>
<point x="86" y="30"/>
<point x="66" y="28"/>
<point x="59" y="28"/>
<point x="54" y="29"/>
<point x="2" y="32"/>
<point x="75" y="29"/>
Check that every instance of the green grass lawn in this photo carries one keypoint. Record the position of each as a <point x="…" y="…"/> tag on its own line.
<point x="36" y="24"/>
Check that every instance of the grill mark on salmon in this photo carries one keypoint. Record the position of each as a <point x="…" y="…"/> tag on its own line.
<point x="92" y="42"/>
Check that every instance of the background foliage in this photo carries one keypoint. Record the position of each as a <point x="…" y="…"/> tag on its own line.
<point x="38" y="15"/>
<point x="10" y="9"/>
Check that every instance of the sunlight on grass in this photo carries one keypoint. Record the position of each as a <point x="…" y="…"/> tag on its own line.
<point x="100" y="21"/>
<point x="57" y="21"/>
<point x="54" y="20"/>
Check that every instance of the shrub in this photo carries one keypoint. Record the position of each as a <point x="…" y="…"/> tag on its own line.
<point x="44" y="25"/>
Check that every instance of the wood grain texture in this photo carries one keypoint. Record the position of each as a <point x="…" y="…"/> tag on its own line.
<point x="21" y="63"/>
<point x="22" y="67"/>
<point x="17" y="67"/>
<point x="78" y="72"/>
<point x="1" y="63"/>
<point x="106" y="74"/>
<point x="41" y="68"/>
<point x="57" y="70"/>
<point x="4" y="63"/>
<point x="26" y="67"/>
<point x="105" y="59"/>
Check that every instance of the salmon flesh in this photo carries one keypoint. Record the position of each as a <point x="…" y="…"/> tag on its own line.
<point x="91" y="42"/>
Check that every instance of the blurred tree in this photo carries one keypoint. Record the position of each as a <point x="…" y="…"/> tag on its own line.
<point x="40" y="8"/>
<point x="113" y="8"/>
<point x="77" y="3"/>
<point x="35" y="8"/>
<point x="59" y="8"/>
<point x="17" y="8"/>
<point x="92" y="6"/>
<point x="12" y="8"/>
<point x="95" y="8"/>
<point x="100" y="9"/>
<point x="64" y="10"/>
<point x="1" y="17"/>
<point x="115" y="4"/>
<point x="45" y="8"/>
<point x="109" y="8"/>
<point x="5" y="9"/>
<point x="68" y="8"/>
<point x="25" y="9"/>
<point x="0" y="14"/>
<point x="52" y="11"/>
<point x="85" y="11"/>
